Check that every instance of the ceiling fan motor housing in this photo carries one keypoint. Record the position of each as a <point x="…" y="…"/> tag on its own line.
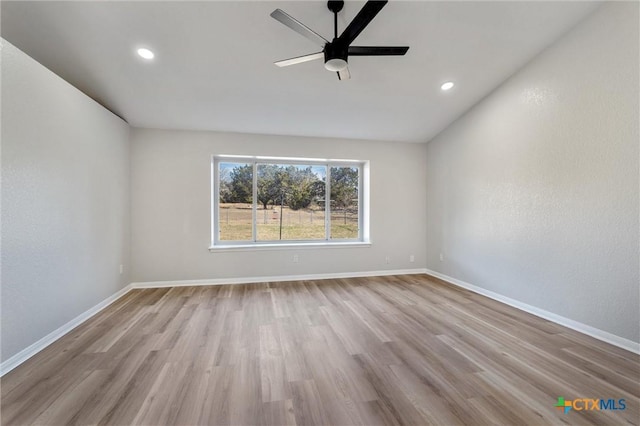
<point x="335" y="55"/>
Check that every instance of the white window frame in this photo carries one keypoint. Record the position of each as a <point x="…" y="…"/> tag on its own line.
<point x="363" y="204"/>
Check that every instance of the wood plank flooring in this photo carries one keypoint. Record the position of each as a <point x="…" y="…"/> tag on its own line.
<point x="363" y="351"/>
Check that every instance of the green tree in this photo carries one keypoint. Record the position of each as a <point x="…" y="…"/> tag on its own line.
<point x="269" y="177"/>
<point x="241" y="185"/>
<point x="225" y="185"/>
<point x="295" y="187"/>
<point x="344" y="188"/>
<point x="303" y="188"/>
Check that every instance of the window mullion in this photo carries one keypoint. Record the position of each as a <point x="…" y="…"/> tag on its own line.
<point x="360" y="208"/>
<point x="215" y="200"/>
<point x="327" y="205"/>
<point x="254" y="215"/>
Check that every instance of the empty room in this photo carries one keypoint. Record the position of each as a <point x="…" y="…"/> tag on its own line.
<point x="320" y="213"/>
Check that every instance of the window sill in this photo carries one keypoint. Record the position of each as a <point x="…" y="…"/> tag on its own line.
<point x="287" y="246"/>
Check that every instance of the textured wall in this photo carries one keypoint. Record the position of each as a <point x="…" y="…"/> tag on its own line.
<point x="171" y="210"/>
<point x="65" y="202"/>
<point x="533" y="194"/>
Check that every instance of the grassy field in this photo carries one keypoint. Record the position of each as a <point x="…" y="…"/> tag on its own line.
<point x="305" y="224"/>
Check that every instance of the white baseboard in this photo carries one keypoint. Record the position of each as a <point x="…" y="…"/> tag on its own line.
<point x="605" y="336"/>
<point x="36" y="347"/>
<point x="277" y="278"/>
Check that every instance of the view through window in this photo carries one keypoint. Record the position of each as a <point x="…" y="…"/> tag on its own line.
<point x="286" y="201"/>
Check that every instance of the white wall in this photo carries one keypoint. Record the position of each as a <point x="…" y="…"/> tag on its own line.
<point x="171" y="213"/>
<point x="533" y="194"/>
<point x="65" y="202"/>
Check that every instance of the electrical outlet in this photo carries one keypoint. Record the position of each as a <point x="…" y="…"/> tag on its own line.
<point x="441" y="257"/>
<point x="121" y="269"/>
<point x="412" y="258"/>
<point x="295" y="258"/>
<point x="387" y="259"/>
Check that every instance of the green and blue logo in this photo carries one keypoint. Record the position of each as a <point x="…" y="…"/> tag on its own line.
<point x="590" y="404"/>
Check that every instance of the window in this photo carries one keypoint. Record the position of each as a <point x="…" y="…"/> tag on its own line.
<point x="270" y="201"/>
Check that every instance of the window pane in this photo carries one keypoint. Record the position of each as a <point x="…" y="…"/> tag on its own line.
<point x="344" y="202"/>
<point x="236" y="202"/>
<point x="290" y="202"/>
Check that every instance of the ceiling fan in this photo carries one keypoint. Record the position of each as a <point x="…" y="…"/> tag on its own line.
<point x="336" y="52"/>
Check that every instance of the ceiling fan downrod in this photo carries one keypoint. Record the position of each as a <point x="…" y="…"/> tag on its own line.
<point x="335" y="6"/>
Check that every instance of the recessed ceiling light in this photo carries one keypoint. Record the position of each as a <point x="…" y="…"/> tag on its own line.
<point x="447" y="86"/>
<point x="145" y="53"/>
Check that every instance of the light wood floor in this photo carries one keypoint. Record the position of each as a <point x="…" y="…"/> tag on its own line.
<point x="385" y="350"/>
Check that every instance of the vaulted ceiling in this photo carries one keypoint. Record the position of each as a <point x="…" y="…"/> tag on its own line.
<point x="213" y="68"/>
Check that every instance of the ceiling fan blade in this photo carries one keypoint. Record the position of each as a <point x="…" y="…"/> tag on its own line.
<point x="298" y="27"/>
<point x="344" y="74"/>
<point x="377" y="50"/>
<point x="362" y="19"/>
<point x="299" y="59"/>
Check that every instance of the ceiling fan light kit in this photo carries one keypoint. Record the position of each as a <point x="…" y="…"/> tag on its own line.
<point x="335" y="57"/>
<point x="336" y="52"/>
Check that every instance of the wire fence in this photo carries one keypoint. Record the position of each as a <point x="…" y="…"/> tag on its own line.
<point x="236" y="223"/>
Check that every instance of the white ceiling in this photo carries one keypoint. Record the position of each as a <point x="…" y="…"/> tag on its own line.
<point x="214" y="61"/>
